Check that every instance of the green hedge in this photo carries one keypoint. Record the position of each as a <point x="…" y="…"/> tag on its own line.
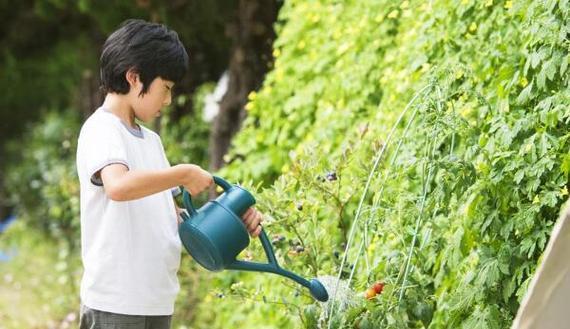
<point x="461" y="202"/>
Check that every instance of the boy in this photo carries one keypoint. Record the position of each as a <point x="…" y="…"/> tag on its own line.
<point x="129" y="239"/>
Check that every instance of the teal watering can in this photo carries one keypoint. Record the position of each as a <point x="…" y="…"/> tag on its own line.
<point x="215" y="235"/>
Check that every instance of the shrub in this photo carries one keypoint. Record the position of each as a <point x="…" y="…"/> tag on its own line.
<point x="454" y="210"/>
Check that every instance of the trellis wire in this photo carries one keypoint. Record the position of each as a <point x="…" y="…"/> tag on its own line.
<point x="424" y="194"/>
<point x="416" y="229"/>
<point x="359" y="209"/>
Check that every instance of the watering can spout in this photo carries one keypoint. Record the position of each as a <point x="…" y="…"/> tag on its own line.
<point x="318" y="291"/>
<point x="316" y="288"/>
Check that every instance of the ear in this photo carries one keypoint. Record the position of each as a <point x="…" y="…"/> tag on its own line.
<point x="132" y="77"/>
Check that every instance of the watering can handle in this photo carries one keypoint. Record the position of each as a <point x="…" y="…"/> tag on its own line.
<point x="268" y="252"/>
<point x="188" y="199"/>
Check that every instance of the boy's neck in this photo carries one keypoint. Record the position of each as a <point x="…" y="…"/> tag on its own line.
<point x="118" y="105"/>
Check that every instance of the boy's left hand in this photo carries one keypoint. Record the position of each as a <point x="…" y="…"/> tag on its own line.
<point x="252" y="220"/>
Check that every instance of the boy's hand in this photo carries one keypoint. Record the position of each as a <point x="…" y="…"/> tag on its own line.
<point x="194" y="178"/>
<point x="252" y="220"/>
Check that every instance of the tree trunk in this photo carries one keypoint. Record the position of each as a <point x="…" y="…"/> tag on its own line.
<point x="252" y="37"/>
<point x="90" y="96"/>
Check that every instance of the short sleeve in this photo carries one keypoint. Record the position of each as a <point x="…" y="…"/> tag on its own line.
<point x="100" y="144"/>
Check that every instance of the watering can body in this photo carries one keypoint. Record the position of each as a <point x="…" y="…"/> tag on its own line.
<point x="214" y="235"/>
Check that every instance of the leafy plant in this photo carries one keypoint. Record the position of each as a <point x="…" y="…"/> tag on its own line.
<point x="454" y="215"/>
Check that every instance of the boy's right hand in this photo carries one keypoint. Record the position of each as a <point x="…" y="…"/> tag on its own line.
<point x="194" y="178"/>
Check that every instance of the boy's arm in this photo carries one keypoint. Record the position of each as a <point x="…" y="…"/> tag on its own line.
<point x="122" y="184"/>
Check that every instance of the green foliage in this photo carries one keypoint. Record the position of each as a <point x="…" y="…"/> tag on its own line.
<point x="42" y="181"/>
<point x="460" y="206"/>
<point x="40" y="284"/>
<point x="185" y="139"/>
<point x="32" y="86"/>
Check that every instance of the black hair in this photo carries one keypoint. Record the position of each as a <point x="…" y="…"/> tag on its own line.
<point x="151" y="50"/>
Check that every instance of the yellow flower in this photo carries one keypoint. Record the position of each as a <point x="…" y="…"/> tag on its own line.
<point x="337" y="34"/>
<point x="371" y="248"/>
<point x="393" y="14"/>
<point x="536" y="200"/>
<point x="249" y="106"/>
<point x="313" y="55"/>
<point x="279" y="74"/>
<point x="489" y="3"/>
<point x="252" y="95"/>
<point x="508" y="4"/>
<point x="523" y="82"/>
<point x="527" y="148"/>
<point x="466" y="111"/>
<point x="473" y="27"/>
<point x="459" y="75"/>
<point x="564" y="191"/>
<point x="276" y="52"/>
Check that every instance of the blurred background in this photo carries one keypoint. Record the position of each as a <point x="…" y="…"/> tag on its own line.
<point x="49" y="53"/>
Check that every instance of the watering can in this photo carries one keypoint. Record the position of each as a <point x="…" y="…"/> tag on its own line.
<point x="215" y="235"/>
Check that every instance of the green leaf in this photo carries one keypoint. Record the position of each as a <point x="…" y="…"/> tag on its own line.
<point x="541" y="79"/>
<point x="564" y="65"/>
<point x="550" y="68"/>
<point x="534" y="59"/>
<point x="525" y="94"/>
<point x="565" y="166"/>
<point x="519" y="175"/>
<point x="509" y="286"/>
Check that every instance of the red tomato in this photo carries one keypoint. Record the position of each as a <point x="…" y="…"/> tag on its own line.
<point x="378" y="287"/>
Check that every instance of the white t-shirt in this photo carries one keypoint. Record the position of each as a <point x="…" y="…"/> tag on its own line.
<point x="130" y="249"/>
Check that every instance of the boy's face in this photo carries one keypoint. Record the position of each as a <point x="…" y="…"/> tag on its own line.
<point x="147" y="106"/>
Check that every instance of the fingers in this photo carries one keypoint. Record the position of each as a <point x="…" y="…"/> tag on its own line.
<point x="195" y="179"/>
<point x="248" y="213"/>
<point x="257" y="231"/>
<point x="252" y="220"/>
